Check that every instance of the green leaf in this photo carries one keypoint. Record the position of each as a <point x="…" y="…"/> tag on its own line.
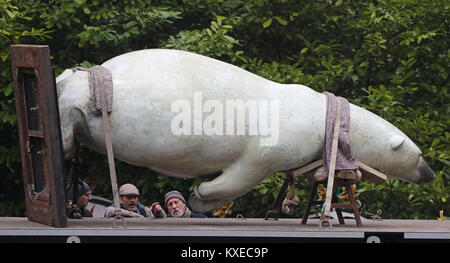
<point x="10" y="14"/>
<point x="214" y="26"/>
<point x="281" y="20"/>
<point x="229" y="38"/>
<point x="267" y="23"/>
<point x="8" y="90"/>
<point x="4" y="57"/>
<point x="435" y="142"/>
<point x="220" y="19"/>
<point x="134" y="31"/>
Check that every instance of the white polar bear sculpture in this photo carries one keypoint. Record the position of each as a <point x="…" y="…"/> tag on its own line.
<point x="170" y="114"/>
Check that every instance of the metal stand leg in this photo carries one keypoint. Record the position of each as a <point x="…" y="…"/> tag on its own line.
<point x="273" y="213"/>
<point x="310" y="203"/>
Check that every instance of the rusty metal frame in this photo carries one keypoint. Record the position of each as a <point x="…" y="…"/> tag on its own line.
<point x="40" y="137"/>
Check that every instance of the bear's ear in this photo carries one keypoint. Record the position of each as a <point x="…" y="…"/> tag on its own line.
<point x="396" y="141"/>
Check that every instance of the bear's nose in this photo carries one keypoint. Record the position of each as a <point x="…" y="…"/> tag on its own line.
<point x="423" y="172"/>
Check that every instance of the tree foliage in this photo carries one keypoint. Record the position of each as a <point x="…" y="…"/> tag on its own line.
<point x="388" y="56"/>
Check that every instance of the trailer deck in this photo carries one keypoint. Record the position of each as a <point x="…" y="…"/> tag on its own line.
<point x="18" y="229"/>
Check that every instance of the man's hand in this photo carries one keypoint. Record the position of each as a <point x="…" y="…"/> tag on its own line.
<point x="155" y="208"/>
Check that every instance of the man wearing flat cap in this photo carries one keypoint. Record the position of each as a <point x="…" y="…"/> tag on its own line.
<point x="84" y="195"/>
<point x="176" y="206"/>
<point x="130" y="207"/>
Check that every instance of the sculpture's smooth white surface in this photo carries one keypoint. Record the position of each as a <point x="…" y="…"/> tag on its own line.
<point x="147" y="82"/>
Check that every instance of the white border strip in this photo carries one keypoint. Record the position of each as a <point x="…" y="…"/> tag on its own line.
<point x="191" y="233"/>
<point x="208" y="233"/>
<point x="427" y="235"/>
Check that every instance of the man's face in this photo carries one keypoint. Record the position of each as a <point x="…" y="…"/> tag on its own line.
<point x="129" y="201"/>
<point x="84" y="200"/>
<point x="176" y="207"/>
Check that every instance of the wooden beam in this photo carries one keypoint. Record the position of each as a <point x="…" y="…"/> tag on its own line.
<point x="370" y="174"/>
<point x="307" y="168"/>
<point x="332" y="165"/>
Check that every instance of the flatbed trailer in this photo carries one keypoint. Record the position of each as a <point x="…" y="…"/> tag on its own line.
<point x="44" y="177"/>
<point x="224" y="230"/>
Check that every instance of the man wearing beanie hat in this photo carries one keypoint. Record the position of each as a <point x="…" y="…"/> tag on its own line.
<point x="84" y="195"/>
<point x="176" y="206"/>
<point x="130" y="207"/>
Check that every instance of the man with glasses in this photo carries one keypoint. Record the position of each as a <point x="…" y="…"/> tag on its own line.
<point x="130" y="207"/>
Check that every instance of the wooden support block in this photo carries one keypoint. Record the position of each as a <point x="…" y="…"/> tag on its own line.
<point x="368" y="173"/>
<point x="346" y="174"/>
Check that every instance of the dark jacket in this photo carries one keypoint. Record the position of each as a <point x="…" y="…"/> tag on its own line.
<point x="85" y="212"/>
<point x="197" y="215"/>
<point x="140" y="208"/>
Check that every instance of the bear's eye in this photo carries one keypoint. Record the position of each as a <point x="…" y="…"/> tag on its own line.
<point x="396" y="141"/>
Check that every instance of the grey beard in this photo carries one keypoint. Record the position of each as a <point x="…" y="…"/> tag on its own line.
<point x="177" y="213"/>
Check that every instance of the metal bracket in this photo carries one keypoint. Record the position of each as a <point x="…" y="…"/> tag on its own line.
<point x="276" y="206"/>
<point x="119" y="220"/>
<point x="240" y="217"/>
<point x="325" y="221"/>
